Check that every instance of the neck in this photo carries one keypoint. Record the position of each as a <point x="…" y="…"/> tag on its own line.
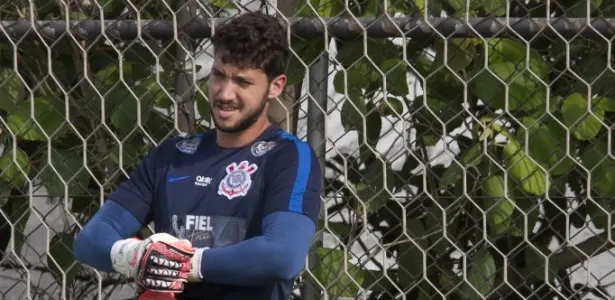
<point x="243" y="138"/>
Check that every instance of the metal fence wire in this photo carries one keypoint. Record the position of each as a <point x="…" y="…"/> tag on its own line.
<point x="466" y="145"/>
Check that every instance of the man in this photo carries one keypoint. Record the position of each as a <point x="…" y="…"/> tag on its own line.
<point x="235" y="208"/>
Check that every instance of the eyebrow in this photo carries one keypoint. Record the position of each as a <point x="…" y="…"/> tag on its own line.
<point x="237" y="77"/>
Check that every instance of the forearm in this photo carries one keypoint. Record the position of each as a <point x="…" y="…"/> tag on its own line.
<point x="110" y="224"/>
<point x="279" y="254"/>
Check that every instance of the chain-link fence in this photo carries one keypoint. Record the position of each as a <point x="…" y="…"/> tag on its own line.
<point x="467" y="144"/>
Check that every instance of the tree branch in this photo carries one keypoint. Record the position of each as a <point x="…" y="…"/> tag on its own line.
<point x="577" y="254"/>
<point x="565" y="259"/>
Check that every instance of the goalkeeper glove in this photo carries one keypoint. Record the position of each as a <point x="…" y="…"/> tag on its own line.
<point x="160" y="263"/>
<point x="195" y="273"/>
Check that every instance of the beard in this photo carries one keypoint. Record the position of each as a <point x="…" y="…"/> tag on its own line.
<point x="245" y="122"/>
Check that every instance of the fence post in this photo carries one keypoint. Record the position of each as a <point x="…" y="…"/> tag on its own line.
<point x="318" y="87"/>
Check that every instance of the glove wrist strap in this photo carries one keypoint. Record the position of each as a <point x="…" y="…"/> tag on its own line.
<point x="195" y="272"/>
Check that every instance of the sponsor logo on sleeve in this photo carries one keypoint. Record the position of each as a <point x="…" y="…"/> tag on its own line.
<point x="188" y="146"/>
<point x="262" y="147"/>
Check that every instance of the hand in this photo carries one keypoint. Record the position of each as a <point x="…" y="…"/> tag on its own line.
<point x="160" y="263"/>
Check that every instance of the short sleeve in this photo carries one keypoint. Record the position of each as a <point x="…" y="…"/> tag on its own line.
<point x="293" y="180"/>
<point x="136" y="194"/>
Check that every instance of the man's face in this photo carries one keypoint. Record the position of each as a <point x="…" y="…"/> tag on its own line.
<point x="239" y="97"/>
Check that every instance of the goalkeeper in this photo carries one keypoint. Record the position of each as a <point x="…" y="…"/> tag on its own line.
<point x="234" y="208"/>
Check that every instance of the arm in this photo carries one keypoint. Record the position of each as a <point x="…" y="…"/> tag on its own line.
<point x="111" y="223"/>
<point x="278" y="254"/>
<point x="291" y="206"/>
<point x="121" y="217"/>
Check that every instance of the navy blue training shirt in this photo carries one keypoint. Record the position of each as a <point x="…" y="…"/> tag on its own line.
<point x="218" y="197"/>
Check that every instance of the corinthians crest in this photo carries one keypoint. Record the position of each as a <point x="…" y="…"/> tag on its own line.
<point x="237" y="181"/>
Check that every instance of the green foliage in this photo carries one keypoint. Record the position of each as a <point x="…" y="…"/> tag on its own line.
<point x="11" y="89"/>
<point x="19" y="211"/>
<point x="42" y="125"/>
<point x="14" y="163"/>
<point x="63" y="267"/>
<point x="480" y="279"/>
<point x="531" y="133"/>
<point x="411" y="253"/>
<point x="499" y="209"/>
<point x="342" y="278"/>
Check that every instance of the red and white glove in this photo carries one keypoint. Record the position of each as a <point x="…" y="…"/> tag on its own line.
<point x="159" y="264"/>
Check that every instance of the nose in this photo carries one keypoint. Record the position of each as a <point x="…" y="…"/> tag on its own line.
<point x="226" y="91"/>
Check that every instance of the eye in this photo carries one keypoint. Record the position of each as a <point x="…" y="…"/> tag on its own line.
<point x="216" y="73"/>
<point x="243" y="82"/>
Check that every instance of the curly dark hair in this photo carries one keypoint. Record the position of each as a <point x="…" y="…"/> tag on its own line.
<point x="253" y="40"/>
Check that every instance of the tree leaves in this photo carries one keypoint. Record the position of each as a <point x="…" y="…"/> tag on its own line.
<point x="14" y="166"/>
<point x="323" y="8"/>
<point x="537" y="264"/>
<point x="376" y="179"/>
<point x="460" y="52"/>
<point x="480" y="275"/>
<point x="584" y="124"/>
<point x="363" y="75"/>
<point x="411" y="253"/>
<point x="515" y="52"/>
<point x="492" y="7"/>
<point x="378" y="50"/>
<point x="391" y="107"/>
<point x="579" y="9"/>
<point x="129" y="114"/>
<point x="110" y="5"/>
<point x="61" y="260"/>
<point x="601" y="166"/>
<point x="499" y="207"/>
<point x="395" y="71"/>
<point x="48" y="116"/>
<point x="18" y="210"/>
<point x="495" y="7"/>
<point x="547" y="145"/>
<point x="353" y="112"/>
<point x="524" y="91"/>
<point x="522" y="168"/>
<point x="202" y="103"/>
<point x="336" y="273"/>
<point x="69" y="167"/>
<point x="12" y="90"/>
<point x="454" y="172"/>
<point x="460" y="6"/>
<point x="307" y="51"/>
<point x="126" y="110"/>
<point x="356" y="77"/>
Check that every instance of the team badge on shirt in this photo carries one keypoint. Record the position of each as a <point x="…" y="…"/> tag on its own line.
<point x="237" y="181"/>
<point x="189" y="146"/>
<point x="262" y="147"/>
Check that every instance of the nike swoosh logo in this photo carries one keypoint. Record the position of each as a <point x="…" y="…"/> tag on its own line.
<point x="173" y="179"/>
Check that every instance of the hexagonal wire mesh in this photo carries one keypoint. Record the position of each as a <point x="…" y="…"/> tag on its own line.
<point x="466" y="158"/>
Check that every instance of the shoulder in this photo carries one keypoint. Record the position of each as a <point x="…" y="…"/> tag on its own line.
<point x="289" y="147"/>
<point x="185" y="144"/>
<point x="288" y="151"/>
<point x="179" y="144"/>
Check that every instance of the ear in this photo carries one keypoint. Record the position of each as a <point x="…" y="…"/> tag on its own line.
<point x="277" y="86"/>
